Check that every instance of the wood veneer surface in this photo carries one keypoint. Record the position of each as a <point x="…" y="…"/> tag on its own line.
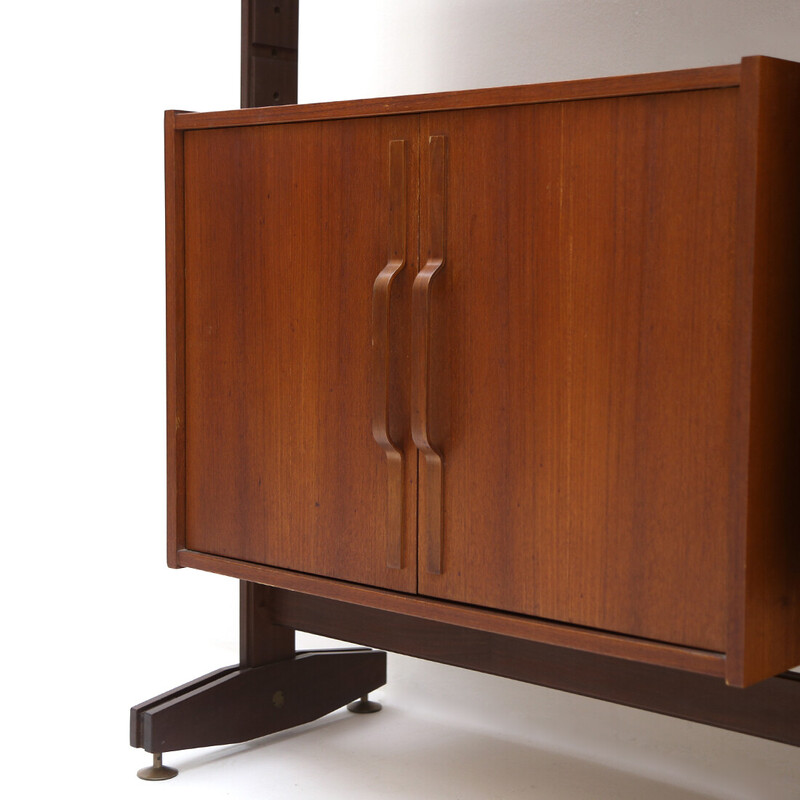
<point x="649" y="226"/>
<point x="585" y="336"/>
<point x="764" y="626"/>
<point x="286" y="230"/>
<point x="651" y="83"/>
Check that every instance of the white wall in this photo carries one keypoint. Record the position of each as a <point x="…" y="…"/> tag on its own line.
<point x="92" y="620"/>
<point x="364" y="48"/>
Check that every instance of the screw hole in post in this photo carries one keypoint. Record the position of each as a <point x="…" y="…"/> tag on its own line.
<point x="276" y="96"/>
<point x="277" y="9"/>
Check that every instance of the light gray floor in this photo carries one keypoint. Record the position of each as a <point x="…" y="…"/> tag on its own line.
<point x="444" y="733"/>
<point x="85" y="650"/>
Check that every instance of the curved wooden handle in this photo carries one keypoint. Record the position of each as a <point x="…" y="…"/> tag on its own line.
<point x="381" y="345"/>
<point x="431" y="484"/>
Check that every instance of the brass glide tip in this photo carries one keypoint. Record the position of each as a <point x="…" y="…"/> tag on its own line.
<point x="157" y="772"/>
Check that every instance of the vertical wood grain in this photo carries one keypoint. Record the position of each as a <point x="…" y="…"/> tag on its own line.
<point x="610" y="371"/>
<point x="427" y="331"/>
<point x="588" y="299"/>
<point x="286" y="228"/>
<point x="385" y="352"/>
<point x="764" y="621"/>
<point x="176" y="353"/>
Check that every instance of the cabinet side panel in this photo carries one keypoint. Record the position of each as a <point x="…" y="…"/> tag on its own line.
<point x="176" y="394"/>
<point x="764" y="632"/>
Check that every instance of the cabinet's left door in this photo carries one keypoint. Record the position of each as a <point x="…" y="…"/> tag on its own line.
<point x="287" y="227"/>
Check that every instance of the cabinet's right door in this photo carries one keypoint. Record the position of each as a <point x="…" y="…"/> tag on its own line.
<point x="575" y="360"/>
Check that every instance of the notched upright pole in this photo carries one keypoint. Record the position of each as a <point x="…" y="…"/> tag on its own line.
<point x="269" y="52"/>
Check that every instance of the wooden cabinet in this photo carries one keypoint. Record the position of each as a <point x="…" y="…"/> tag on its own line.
<point x="518" y="360"/>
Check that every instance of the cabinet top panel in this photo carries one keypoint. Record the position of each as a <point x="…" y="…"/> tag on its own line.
<point x="650" y="83"/>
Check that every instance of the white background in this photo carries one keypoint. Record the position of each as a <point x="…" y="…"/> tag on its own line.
<point x="93" y="621"/>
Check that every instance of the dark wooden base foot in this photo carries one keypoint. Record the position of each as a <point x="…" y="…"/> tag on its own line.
<point x="239" y="703"/>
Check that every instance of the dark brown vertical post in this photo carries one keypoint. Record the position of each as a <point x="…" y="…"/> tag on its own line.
<point x="261" y="641"/>
<point x="269" y="52"/>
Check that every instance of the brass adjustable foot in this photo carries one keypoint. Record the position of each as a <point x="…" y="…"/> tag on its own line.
<point x="158" y="772"/>
<point x="364" y="706"/>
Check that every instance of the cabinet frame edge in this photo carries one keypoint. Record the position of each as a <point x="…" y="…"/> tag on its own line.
<point x="471" y="617"/>
<point x="176" y="337"/>
<point x="721" y="77"/>
<point x="763" y="636"/>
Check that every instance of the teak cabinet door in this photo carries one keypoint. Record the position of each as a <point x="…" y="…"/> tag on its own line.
<point x="574" y="350"/>
<point x="287" y="227"/>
